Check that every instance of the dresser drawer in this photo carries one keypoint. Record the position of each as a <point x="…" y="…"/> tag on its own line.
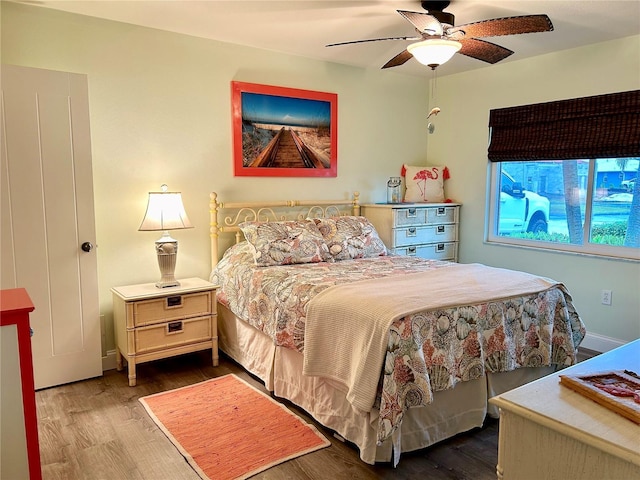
<point x="437" y="215"/>
<point x="171" y="307"/>
<point x="172" y="334"/>
<point x="431" y="234"/>
<point x="424" y="215"/>
<point x="408" y="216"/>
<point x="433" y="251"/>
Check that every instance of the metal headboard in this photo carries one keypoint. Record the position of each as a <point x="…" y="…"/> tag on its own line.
<point x="270" y="211"/>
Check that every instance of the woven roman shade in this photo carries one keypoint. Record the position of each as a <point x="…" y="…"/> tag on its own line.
<point x="603" y="126"/>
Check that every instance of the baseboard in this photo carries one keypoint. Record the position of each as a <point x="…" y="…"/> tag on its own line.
<point x="585" y="354"/>
<point x="592" y="341"/>
<point x="600" y="343"/>
<point x="109" y="361"/>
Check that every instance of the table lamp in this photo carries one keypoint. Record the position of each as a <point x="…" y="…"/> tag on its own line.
<point x="165" y="212"/>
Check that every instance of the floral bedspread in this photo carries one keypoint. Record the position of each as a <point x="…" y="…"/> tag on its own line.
<point x="274" y="299"/>
<point x="426" y="351"/>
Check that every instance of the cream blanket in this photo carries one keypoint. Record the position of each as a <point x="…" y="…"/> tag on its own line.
<point x="347" y="326"/>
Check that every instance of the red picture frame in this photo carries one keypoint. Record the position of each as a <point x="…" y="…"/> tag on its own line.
<point x="284" y="132"/>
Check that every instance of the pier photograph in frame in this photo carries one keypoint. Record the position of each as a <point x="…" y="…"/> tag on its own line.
<point x="283" y="132"/>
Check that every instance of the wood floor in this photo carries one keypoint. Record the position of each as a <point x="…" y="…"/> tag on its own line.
<point x="97" y="429"/>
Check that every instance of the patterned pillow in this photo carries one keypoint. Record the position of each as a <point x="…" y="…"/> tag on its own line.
<point x="424" y="184"/>
<point x="350" y="237"/>
<point x="286" y="242"/>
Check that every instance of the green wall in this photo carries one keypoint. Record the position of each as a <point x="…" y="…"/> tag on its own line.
<point x="161" y="113"/>
<point x="461" y="142"/>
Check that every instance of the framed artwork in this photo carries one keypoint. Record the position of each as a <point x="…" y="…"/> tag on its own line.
<point x="284" y="132"/>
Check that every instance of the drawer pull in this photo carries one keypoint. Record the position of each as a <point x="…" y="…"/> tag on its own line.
<point x="412" y="212"/>
<point x="440" y="247"/>
<point x="411" y="250"/>
<point x="175" y="301"/>
<point x="441" y="212"/>
<point x="174" y="327"/>
<point x="411" y="232"/>
<point x="440" y="229"/>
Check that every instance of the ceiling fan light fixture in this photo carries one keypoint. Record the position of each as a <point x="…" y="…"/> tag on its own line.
<point x="434" y="51"/>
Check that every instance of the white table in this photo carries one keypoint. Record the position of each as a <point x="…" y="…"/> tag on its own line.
<point x="548" y="431"/>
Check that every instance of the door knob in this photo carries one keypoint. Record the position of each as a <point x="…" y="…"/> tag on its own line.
<point x="86" y="247"/>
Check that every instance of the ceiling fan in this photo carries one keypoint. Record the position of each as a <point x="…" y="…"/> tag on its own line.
<point x="436" y="30"/>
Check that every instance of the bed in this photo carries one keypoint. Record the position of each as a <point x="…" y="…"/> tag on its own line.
<point x="393" y="353"/>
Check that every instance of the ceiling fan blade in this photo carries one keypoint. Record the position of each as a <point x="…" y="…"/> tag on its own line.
<point x="423" y="22"/>
<point x="372" y="40"/>
<point x="483" y="50"/>
<point x="399" y="59"/>
<point x="505" y="26"/>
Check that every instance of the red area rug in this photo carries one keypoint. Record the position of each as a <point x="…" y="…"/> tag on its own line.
<point x="226" y="429"/>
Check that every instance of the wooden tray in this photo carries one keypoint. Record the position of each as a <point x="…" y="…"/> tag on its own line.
<point x="586" y="385"/>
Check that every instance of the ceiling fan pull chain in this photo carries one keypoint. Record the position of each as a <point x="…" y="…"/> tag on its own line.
<point x="434" y="84"/>
<point x="435" y="110"/>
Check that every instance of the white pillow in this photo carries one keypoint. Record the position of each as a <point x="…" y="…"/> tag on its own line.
<point x="424" y="184"/>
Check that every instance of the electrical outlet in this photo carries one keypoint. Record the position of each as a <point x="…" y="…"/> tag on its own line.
<point x="605" y="297"/>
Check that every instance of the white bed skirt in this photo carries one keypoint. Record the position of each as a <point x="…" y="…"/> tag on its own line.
<point x="453" y="411"/>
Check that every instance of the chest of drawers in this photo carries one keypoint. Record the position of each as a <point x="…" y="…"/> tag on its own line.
<point x="153" y="323"/>
<point x="548" y="431"/>
<point x="417" y="229"/>
<point x="19" y="446"/>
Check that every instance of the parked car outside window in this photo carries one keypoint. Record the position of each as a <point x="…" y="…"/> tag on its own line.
<point x="629" y="185"/>
<point x="520" y="210"/>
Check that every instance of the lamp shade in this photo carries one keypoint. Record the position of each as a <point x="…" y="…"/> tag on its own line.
<point x="165" y="211"/>
<point x="434" y="51"/>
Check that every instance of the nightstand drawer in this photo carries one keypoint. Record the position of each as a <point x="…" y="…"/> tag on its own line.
<point x="171" y="307"/>
<point x="416" y="235"/>
<point x="172" y="334"/>
<point x="433" y="251"/>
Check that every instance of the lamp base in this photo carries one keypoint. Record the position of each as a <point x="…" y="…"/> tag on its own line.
<point x="167" y="250"/>
<point x="168" y="283"/>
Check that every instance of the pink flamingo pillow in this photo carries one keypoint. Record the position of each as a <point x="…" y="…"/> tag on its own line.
<point x="424" y="184"/>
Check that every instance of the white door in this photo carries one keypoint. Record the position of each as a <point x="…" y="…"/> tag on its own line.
<point x="47" y="214"/>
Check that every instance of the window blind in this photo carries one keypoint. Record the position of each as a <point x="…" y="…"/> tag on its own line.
<point x="602" y="126"/>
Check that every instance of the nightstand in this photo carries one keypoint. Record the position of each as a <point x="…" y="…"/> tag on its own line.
<point x="153" y="323"/>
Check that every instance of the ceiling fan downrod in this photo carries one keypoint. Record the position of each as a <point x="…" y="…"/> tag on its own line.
<point x="435" y="9"/>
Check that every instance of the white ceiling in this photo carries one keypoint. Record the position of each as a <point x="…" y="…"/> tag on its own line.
<point x="304" y="27"/>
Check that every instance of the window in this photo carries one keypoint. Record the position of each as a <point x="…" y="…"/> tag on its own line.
<point x="577" y="205"/>
<point x="545" y="193"/>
